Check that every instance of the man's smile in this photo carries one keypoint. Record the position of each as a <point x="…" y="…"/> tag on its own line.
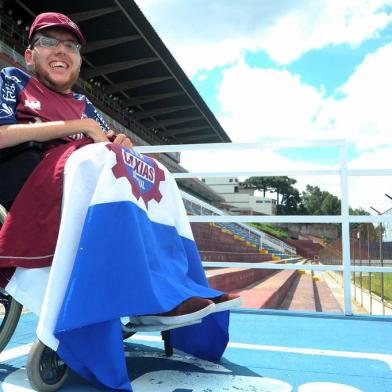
<point x="58" y="65"/>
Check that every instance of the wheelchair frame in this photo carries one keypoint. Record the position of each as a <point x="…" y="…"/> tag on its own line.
<point x="12" y="308"/>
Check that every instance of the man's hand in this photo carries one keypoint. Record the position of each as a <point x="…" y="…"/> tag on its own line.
<point x="92" y="129"/>
<point x="120" y="139"/>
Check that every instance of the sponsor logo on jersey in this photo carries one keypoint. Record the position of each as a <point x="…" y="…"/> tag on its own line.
<point x="35" y="105"/>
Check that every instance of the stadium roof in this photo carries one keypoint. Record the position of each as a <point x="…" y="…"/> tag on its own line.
<point x="127" y="61"/>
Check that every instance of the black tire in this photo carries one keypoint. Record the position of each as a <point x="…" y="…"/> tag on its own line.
<point x="10" y="309"/>
<point x="125" y="332"/>
<point x="46" y="371"/>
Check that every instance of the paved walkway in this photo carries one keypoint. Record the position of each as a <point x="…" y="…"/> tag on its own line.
<point x="267" y="352"/>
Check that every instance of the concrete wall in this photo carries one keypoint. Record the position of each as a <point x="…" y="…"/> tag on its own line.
<point x="320" y="230"/>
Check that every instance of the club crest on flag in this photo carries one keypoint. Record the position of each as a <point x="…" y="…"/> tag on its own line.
<point x="142" y="172"/>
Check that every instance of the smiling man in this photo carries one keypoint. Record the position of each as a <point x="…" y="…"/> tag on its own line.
<point x="157" y="276"/>
<point x="42" y="106"/>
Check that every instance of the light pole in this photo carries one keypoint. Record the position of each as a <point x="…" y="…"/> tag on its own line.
<point x="369" y="273"/>
<point x="360" y="262"/>
<point x="381" y="262"/>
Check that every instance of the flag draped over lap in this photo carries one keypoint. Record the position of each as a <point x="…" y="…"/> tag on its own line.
<point x="124" y="248"/>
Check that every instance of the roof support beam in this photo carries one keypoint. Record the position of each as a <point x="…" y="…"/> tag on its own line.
<point x="106" y="43"/>
<point x="157" y="112"/>
<point x="180" y="131"/>
<point x="171" y="121"/>
<point x="198" y="137"/>
<point x="86" y="15"/>
<point x="115" y="67"/>
<point x="150" y="98"/>
<point x="135" y="83"/>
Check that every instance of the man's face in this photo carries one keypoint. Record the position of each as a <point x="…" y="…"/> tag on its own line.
<point x="57" y="67"/>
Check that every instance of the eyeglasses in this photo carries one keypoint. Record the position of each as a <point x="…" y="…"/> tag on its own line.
<point x="50" y="42"/>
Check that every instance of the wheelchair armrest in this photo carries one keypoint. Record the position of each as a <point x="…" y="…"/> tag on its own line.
<point x="6" y="153"/>
<point x="16" y="165"/>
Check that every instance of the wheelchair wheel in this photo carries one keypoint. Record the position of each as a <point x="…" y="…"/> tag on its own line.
<point x="46" y="371"/>
<point x="10" y="309"/>
<point x="126" y="333"/>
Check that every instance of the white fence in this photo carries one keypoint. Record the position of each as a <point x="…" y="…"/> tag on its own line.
<point x="344" y="219"/>
<point x="265" y="238"/>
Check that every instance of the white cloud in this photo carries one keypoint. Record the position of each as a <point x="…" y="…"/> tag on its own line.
<point x="370" y="191"/>
<point x="203" y="34"/>
<point x="363" y="115"/>
<point x="320" y="23"/>
<point x="259" y="103"/>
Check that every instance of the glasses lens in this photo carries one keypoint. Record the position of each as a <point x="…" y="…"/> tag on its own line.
<point x="50" y="42"/>
<point x="72" y="46"/>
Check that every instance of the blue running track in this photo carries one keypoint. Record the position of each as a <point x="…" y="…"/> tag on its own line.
<point x="274" y="352"/>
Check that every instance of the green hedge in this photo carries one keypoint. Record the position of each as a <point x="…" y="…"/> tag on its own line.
<point x="271" y="230"/>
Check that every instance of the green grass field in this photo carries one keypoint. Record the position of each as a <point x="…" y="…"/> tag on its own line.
<point x="376" y="283"/>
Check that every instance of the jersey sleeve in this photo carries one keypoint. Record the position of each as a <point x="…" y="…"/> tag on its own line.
<point x="92" y="112"/>
<point x="12" y="81"/>
<point x="8" y="89"/>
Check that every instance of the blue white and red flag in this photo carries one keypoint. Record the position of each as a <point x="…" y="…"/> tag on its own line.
<point x="124" y="248"/>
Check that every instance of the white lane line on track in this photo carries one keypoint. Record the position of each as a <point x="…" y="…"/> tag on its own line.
<point x="387" y="358"/>
<point x="15" y="352"/>
<point x="24" y="350"/>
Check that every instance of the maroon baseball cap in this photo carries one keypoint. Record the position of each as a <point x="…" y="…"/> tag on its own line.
<point x="54" y="19"/>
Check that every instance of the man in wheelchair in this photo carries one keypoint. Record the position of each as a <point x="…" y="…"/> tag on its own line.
<point x="39" y="114"/>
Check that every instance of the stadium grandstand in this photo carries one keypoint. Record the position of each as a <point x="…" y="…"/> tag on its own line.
<point x="134" y="81"/>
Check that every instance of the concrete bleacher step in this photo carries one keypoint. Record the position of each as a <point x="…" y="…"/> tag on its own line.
<point x="217" y="244"/>
<point x="234" y="279"/>
<point x="210" y="237"/>
<point x="301" y="295"/>
<point x="270" y="292"/>
<point x="218" y="241"/>
<point x="234" y="257"/>
<point x="326" y="301"/>
<point x="310" y="294"/>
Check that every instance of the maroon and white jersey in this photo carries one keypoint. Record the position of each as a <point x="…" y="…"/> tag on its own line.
<point x="24" y="100"/>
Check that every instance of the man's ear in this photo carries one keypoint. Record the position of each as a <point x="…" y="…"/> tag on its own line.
<point x="29" y="57"/>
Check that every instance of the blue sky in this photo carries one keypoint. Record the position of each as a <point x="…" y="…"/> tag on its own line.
<point x="305" y="69"/>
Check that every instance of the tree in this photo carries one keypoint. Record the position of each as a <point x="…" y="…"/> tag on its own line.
<point x="318" y="202"/>
<point x="291" y="204"/>
<point x="282" y="186"/>
<point x="262" y="184"/>
<point x="365" y="230"/>
<point x="288" y="198"/>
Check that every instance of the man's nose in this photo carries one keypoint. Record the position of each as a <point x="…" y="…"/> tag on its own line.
<point x="60" y="48"/>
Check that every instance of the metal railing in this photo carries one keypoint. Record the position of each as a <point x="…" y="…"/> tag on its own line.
<point x="344" y="218"/>
<point x="12" y="54"/>
<point x="264" y="238"/>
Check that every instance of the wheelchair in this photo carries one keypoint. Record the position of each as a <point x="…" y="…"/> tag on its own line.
<point x="16" y="163"/>
<point x="46" y="371"/>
